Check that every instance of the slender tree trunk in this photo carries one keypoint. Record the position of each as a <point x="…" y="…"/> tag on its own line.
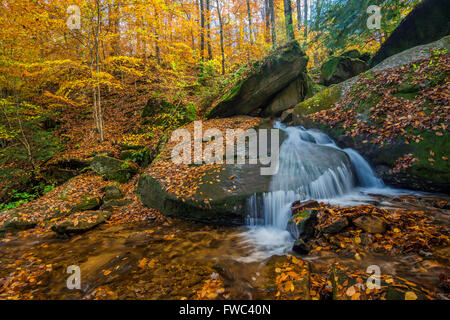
<point x="299" y="15"/>
<point x="208" y="29"/>
<point x="288" y="20"/>
<point x="305" y="15"/>
<point x="267" y="19"/>
<point x="249" y="13"/>
<point x="157" y="48"/>
<point x="202" y="29"/>
<point x="273" y="22"/>
<point x="222" y="49"/>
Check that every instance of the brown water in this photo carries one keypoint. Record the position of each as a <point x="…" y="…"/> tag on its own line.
<point x="179" y="255"/>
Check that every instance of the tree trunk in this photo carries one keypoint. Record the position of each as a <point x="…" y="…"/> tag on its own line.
<point x="299" y="15"/>
<point x="305" y="15"/>
<point x="267" y="19"/>
<point x="249" y="13"/>
<point x="202" y="29"/>
<point x="222" y="49"/>
<point x="208" y="29"/>
<point x="273" y="22"/>
<point x="288" y="20"/>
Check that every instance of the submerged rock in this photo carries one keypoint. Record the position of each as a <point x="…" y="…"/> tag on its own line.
<point x="336" y="226"/>
<point x="82" y="224"/>
<point x="16" y="224"/>
<point x="371" y="224"/>
<point x="443" y="255"/>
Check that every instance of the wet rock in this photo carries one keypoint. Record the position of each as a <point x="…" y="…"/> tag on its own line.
<point x="83" y="223"/>
<point x="16" y="224"/>
<point x="300" y="247"/>
<point x="336" y="226"/>
<point x="351" y="284"/>
<point x="116" y="203"/>
<point x="113" y="169"/>
<point x="371" y="224"/>
<point x="300" y="206"/>
<point x="113" y="192"/>
<point x="138" y="238"/>
<point x="287" y="116"/>
<point x="303" y="225"/>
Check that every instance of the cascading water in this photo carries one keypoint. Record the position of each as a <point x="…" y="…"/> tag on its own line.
<point x="311" y="167"/>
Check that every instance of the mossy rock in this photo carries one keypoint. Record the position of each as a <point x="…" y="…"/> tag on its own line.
<point x="16" y="224"/>
<point x="114" y="169"/>
<point x="87" y="203"/>
<point x="267" y="78"/>
<point x="116" y="203"/>
<point x="113" y="192"/>
<point x="321" y="101"/>
<point x="303" y="224"/>
<point x="338" y="69"/>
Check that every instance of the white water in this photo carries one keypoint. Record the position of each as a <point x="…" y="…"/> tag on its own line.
<point x="312" y="166"/>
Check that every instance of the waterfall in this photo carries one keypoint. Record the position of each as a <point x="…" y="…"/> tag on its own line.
<point x="312" y="166"/>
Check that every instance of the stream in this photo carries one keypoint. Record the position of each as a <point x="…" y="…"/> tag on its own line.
<point x="179" y="256"/>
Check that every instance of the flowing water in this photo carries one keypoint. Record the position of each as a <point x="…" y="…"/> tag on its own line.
<point x="312" y="167"/>
<point x="181" y="255"/>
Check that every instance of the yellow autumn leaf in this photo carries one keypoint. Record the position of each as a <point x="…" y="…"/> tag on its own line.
<point x="410" y="296"/>
<point x="350" y="291"/>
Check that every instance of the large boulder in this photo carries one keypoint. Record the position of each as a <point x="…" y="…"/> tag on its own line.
<point x="340" y="68"/>
<point x="267" y="78"/>
<point x="288" y="98"/>
<point x="113" y="169"/>
<point x="220" y="201"/>
<point x="427" y="22"/>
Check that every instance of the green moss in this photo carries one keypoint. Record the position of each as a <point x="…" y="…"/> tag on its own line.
<point x="440" y="146"/>
<point x="329" y="67"/>
<point x="321" y="101"/>
<point x="233" y="92"/>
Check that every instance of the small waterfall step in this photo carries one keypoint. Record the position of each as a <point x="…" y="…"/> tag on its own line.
<point x="312" y="166"/>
